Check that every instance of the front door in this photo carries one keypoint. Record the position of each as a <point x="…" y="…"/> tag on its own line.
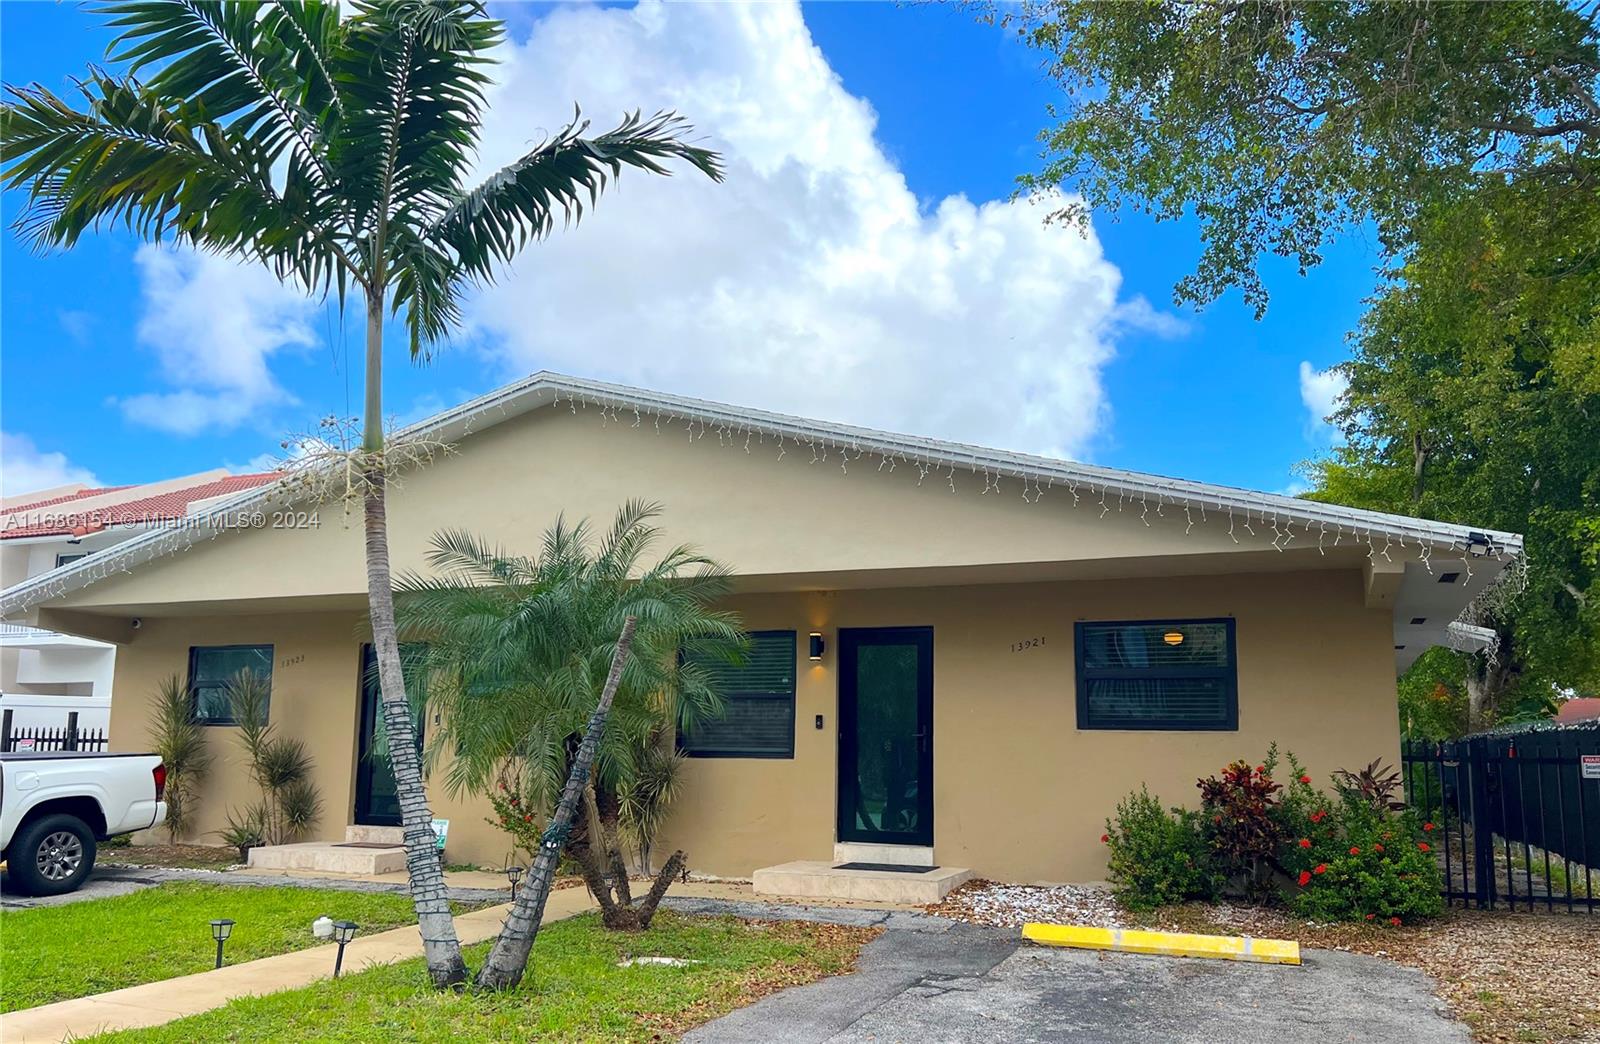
<point x="886" y="735"/>
<point x="377" y="803"/>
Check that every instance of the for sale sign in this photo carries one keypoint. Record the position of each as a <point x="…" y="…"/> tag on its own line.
<point x="1589" y="765"/>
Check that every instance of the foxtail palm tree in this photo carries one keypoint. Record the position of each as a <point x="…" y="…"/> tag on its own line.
<point x="526" y="667"/>
<point x="334" y="151"/>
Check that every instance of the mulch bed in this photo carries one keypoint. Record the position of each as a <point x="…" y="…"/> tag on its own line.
<point x="186" y="857"/>
<point x="1511" y="977"/>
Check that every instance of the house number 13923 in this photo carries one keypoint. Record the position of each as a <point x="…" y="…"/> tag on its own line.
<point x="1027" y="643"/>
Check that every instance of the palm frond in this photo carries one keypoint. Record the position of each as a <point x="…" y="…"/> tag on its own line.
<point x="240" y="64"/>
<point x="129" y="159"/>
<point x="521" y="202"/>
<point x="525" y="645"/>
<point x="412" y="81"/>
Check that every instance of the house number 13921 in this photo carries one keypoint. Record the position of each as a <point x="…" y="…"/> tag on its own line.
<point x="1027" y="643"/>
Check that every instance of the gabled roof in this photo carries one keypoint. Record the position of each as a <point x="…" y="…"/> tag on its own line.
<point x="59" y="516"/>
<point x="1317" y="522"/>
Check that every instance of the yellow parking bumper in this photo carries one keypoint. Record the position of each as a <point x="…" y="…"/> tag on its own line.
<point x="1168" y="944"/>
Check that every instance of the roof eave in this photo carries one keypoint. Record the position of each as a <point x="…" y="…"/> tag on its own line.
<point x="546" y="388"/>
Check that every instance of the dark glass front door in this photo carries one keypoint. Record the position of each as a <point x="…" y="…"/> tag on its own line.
<point x="886" y="735"/>
<point x="376" y="800"/>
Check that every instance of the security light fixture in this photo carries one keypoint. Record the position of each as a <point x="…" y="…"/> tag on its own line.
<point x="220" y="930"/>
<point x="817" y="645"/>
<point x="343" y="932"/>
<point x="1479" y="544"/>
<point x="1173" y="637"/>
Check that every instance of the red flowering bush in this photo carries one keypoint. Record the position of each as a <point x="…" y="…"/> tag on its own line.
<point x="517" y="815"/>
<point x="1345" y="856"/>
<point x="1157" y="856"/>
<point x="1347" y="873"/>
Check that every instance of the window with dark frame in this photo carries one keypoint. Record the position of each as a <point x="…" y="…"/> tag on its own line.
<point x="212" y="667"/>
<point x="1176" y="675"/>
<point x="758" y="703"/>
<point x="62" y="560"/>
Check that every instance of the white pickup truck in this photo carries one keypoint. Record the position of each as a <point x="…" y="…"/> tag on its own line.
<point x="54" y="809"/>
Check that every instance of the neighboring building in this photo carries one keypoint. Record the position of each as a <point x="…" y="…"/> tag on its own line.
<point x="44" y="674"/>
<point x="1006" y="644"/>
<point x="1579" y="708"/>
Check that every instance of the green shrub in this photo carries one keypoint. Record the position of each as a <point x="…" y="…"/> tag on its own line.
<point x="1157" y="856"/>
<point x="1357" y="862"/>
<point x="1298" y="800"/>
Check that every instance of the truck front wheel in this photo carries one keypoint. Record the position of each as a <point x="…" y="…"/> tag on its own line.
<point x="51" y="855"/>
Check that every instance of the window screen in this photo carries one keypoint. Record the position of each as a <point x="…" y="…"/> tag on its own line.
<point x="212" y="667"/>
<point x="758" y="703"/>
<point x="1157" y="674"/>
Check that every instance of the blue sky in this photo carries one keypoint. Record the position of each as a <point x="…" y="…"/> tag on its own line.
<point x="862" y="264"/>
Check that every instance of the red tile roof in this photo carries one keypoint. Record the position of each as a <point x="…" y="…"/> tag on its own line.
<point x="33" y="520"/>
<point x="1580" y="709"/>
<point x="93" y="491"/>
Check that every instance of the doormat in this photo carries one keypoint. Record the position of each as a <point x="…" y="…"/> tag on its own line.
<point x="368" y="844"/>
<point x="897" y="868"/>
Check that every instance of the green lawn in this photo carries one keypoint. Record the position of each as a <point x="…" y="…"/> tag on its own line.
<point x="574" y="991"/>
<point x="58" y="952"/>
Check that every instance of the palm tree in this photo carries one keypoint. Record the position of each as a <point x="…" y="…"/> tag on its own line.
<point x="334" y="151"/>
<point x="526" y="668"/>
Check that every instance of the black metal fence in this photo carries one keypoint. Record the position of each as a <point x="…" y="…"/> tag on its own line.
<point x="1516" y="824"/>
<point x="43" y="738"/>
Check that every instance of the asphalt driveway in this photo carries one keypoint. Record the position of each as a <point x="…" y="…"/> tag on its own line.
<point x="931" y="980"/>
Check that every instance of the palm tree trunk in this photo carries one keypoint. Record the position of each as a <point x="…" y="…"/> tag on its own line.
<point x="645" y="911"/>
<point x="509" y="958"/>
<point x="440" y="946"/>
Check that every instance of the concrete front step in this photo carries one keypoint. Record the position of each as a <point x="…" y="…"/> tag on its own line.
<point x="905" y="855"/>
<point x="811" y="879"/>
<point x="328" y="858"/>
<point x="357" y="832"/>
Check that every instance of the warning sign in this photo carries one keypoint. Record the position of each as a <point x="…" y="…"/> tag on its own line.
<point x="1589" y="766"/>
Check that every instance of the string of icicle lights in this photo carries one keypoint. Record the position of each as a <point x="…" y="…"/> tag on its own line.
<point x="1162" y="499"/>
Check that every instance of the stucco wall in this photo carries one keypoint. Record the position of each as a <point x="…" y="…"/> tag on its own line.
<point x="1019" y="793"/>
<point x="761" y="515"/>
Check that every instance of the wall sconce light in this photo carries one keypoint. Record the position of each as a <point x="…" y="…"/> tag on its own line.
<point x="817" y="645"/>
<point x="1173" y="637"/>
<point x="220" y="930"/>
<point x="343" y="932"/>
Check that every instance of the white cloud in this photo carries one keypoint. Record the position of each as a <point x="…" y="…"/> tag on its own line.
<point x="24" y="468"/>
<point x="811" y="281"/>
<point x="214" y="324"/>
<point x="1320" y="391"/>
<point x="78" y="325"/>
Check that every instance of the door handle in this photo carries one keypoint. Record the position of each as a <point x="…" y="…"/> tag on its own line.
<point x="921" y="736"/>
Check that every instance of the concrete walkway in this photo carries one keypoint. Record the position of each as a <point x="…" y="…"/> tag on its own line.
<point x="469" y="886"/>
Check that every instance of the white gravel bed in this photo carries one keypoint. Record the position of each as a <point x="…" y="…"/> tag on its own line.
<point x="1012" y="906"/>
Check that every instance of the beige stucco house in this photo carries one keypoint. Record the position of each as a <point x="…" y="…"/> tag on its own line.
<point x="958" y="649"/>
